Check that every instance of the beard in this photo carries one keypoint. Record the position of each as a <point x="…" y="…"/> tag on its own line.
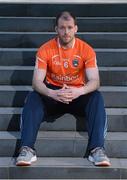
<point x="66" y="40"/>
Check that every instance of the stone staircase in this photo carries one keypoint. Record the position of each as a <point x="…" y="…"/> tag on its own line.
<point x="61" y="142"/>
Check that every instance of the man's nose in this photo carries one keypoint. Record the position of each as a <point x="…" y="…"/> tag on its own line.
<point x="66" y="31"/>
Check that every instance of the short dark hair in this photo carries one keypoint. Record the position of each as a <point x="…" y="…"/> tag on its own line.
<point x="65" y="15"/>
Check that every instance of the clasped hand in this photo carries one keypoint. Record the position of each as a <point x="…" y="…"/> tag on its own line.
<point x="66" y="94"/>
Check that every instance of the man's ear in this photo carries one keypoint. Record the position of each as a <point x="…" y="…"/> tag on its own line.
<point x="56" y="29"/>
<point x="76" y="28"/>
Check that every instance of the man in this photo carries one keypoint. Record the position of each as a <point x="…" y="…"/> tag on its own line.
<point x="65" y="79"/>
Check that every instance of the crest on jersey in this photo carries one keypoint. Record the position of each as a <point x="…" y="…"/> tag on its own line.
<point x="75" y="62"/>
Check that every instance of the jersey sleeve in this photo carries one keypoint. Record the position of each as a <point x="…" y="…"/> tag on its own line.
<point x="41" y="58"/>
<point x="90" y="58"/>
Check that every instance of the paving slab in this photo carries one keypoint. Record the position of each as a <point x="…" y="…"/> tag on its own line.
<point x="10" y="121"/>
<point x="63" y="144"/>
<point x="51" y="9"/>
<point x="67" y="168"/>
<point x="15" y="96"/>
<point x="26" y="57"/>
<point x="46" y="24"/>
<point x="16" y="75"/>
<point x="36" y="39"/>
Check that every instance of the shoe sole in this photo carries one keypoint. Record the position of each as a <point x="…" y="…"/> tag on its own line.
<point x="102" y="163"/>
<point x="26" y="163"/>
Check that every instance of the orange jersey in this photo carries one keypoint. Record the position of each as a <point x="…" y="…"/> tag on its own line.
<point x="65" y="66"/>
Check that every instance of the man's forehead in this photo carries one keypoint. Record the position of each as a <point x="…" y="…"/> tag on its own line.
<point x="67" y="20"/>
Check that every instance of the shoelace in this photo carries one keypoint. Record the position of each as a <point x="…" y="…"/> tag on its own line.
<point x="24" y="150"/>
<point x="100" y="152"/>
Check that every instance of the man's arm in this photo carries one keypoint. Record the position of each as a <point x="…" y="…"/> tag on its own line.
<point x="92" y="84"/>
<point x="38" y="82"/>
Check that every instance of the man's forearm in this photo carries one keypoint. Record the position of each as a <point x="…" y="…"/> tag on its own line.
<point x="57" y="95"/>
<point x="90" y="86"/>
<point x="41" y="88"/>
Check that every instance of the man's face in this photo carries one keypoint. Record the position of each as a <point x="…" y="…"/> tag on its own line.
<point x="66" y="30"/>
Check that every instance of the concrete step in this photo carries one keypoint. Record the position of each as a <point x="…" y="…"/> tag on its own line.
<point x="10" y="121"/>
<point x="13" y="96"/>
<point x="111" y="94"/>
<point x="111" y="57"/>
<point x="17" y="56"/>
<point x="35" y="39"/>
<point x="65" y="168"/>
<point x="113" y="76"/>
<point x="26" y="57"/>
<point x="51" y="9"/>
<point x="63" y="144"/>
<point x="16" y="75"/>
<point x="46" y="24"/>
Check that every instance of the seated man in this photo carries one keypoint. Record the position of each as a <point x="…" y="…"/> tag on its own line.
<point x="65" y="79"/>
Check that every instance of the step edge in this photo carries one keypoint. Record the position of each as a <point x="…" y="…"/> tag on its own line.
<point x="101" y="68"/>
<point x="64" y="135"/>
<point x="35" y="49"/>
<point x="29" y="88"/>
<point x="17" y="110"/>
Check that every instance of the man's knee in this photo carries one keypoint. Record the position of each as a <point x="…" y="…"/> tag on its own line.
<point x="97" y="96"/>
<point x="32" y="97"/>
<point x="33" y="100"/>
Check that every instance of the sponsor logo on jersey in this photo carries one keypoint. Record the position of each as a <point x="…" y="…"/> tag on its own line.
<point x="64" y="78"/>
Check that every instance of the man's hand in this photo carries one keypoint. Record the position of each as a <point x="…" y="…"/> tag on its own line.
<point x="75" y="92"/>
<point x="66" y="94"/>
<point x="62" y="95"/>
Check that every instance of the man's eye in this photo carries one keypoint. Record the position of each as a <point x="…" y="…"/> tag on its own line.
<point x="70" y="27"/>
